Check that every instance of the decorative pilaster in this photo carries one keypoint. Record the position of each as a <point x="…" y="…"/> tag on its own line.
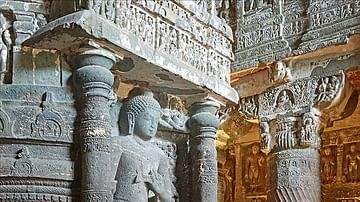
<point x="94" y="82"/>
<point x="203" y="125"/>
<point x="294" y="160"/>
<point x="292" y="116"/>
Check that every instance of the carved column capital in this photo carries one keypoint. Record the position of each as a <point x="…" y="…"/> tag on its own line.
<point x="203" y="124"/>
<point x="203" y="118"/>
<point x="292" y="116"/>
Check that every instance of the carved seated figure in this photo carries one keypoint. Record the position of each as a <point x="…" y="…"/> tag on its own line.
<point x="143" y="172"/>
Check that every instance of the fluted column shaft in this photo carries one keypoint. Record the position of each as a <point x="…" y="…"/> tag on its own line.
<point x="203" y="125"/>
<point x="94" y="84"/>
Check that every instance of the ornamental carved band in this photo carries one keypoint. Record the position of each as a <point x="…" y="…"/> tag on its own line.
<point x="203" y="45"/>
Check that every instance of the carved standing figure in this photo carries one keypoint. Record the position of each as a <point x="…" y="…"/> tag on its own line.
<point x="254" y="167"/>
<point x="143" y="169"/>
<point x="351" y="169"/>
<point x="266" y="140"/>
<point x="327" y="166"/>
<point x="5" y="43"/>
<point x="321" y="90"/>
<point x="309" y="133"/>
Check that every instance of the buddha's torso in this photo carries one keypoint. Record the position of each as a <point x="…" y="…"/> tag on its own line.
<point x="136" y="162"/>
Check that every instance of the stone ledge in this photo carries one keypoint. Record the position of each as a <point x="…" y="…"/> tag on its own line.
<point x="84" y="26"/>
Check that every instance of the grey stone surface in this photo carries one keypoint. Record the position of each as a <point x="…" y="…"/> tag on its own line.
<point x="93" y="81"/>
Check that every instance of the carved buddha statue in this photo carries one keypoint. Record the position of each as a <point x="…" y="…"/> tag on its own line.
<point x="143" y="172"/>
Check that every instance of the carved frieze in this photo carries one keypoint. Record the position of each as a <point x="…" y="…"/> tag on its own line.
<point x="26" y="163"/>
<point x="192" y="39"/>
<point x="317" y="90"/>
<point x="48" y="124"/>
<point x="303" y="26"/>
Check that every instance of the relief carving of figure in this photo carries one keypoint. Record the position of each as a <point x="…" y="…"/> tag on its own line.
<point x="5" y="43"/>
<point x="173" y="117"/>
<point x="254" y="168"/>
<point x="352" y="163"/>
<point x="265" y="138"/>
<point x="143" y="170"/>
<point x="328" y="166"/>
<point x="23" y="166"/>
<point x="280" y="72"/>
<point x="97" y="6"/>
<point x="248" y="106"/>
<point x="309" y="133"/>
<point x="327" y="89"/>
<point x="110" y="9"/>
<point x="284" y="100"/>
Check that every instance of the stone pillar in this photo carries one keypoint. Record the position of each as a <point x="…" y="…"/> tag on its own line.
<point x="292" y="116"/>
<point x="94" y="84"/>
<point x="203" y="125"/>
<point x="294" y="160"/>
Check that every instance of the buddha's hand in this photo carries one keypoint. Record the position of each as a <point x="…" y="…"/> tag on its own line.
<point x="155" y="182"/>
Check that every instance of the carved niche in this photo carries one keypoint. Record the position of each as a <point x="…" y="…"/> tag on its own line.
<point x="328" y="164"/>
<point x="254" y="170"/>
<point x="351" y="163"/>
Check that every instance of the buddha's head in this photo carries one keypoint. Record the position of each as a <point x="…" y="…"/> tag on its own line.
<point x="140" y="114"/>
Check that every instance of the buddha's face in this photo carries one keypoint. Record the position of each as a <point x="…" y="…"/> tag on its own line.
<point x="146" y="124"/>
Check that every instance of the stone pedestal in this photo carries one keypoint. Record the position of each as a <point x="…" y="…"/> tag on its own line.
<point x="203" y="125"/>
<point x="94" y="82"/>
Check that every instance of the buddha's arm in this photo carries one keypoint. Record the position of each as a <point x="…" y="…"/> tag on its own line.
<point x="167" y="193"/>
